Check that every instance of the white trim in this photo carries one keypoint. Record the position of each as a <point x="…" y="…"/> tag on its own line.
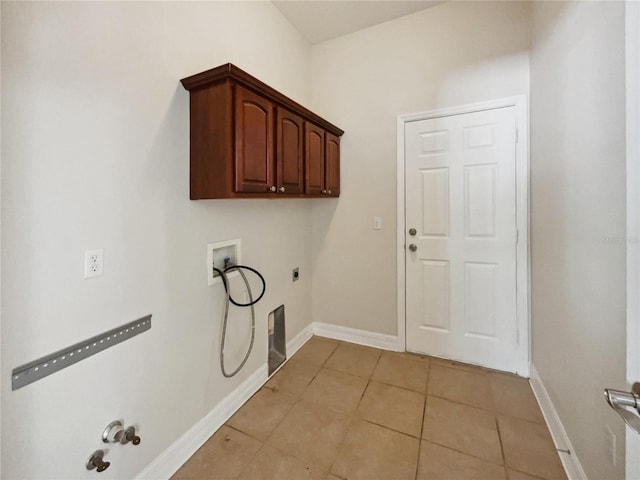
<point x="632" y="68"/>
<point x="400" y="242"/>
<point x="169" y="461"/>
<point x="570" y="461"/>
<point x="353" y="335"/>
<point x="522" y="260"/>
<point x="299" y="340"/>
<point x="633" y="191"/>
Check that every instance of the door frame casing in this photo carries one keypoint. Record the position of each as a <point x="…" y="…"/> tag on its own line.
<point x="632" y="120"/>
<point x="523" y="269"/>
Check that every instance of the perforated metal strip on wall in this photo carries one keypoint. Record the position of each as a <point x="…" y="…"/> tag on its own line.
<point x="45" y="366"/>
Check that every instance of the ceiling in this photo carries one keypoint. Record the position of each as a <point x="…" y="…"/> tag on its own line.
<point x="320" y="20"/>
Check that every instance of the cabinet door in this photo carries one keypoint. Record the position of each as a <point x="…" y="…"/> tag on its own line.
<point x="332" y="164"/>
<point x="314" y="159"/>
<point x="289" y="159"/>
<point x="254" y="166"/>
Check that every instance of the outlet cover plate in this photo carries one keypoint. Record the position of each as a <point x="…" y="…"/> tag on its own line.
<point x="93" y="263"/>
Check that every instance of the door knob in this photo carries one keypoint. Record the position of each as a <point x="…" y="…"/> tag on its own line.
<point x="281" y="189"/>
<point x="621" y="402"/>
<point x="412" y="231"/>
<point x="272" y="188"/>
<point x="413" y="247"/>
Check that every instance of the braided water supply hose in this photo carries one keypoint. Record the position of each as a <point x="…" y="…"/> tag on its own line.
<point x="229" y="299"/>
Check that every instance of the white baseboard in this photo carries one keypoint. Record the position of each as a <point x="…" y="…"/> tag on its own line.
<point x="168" y="462"/>
<point x="570" y="461"/>
<point x="353" y="335"/>
<point x="300" y="339"/>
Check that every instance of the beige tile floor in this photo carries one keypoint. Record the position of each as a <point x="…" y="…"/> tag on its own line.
<point x="343" y="411"/>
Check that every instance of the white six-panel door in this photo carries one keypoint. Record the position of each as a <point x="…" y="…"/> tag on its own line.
<point x="460" y="190"/>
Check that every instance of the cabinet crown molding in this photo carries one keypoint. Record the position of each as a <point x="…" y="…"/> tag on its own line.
<point x="229" y="71"/>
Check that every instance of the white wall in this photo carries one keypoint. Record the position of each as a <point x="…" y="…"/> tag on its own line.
<point x="578" y="219"/>
<point x="452" y="54"/>
<point x="95" y="150"/>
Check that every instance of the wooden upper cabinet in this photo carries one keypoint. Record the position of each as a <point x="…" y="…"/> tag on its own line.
<point x="253" y="142"/>
<point x="332" y="164"/>
<point x="322" y="162"/>
<point x="289" y="159"/>
<point x="248" y="140"/>
<point x="314" y="159"/>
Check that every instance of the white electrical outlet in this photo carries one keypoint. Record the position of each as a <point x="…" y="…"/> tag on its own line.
<point x="217" y="252"/>
<point x="93" y="263"/>
<point x="377" y="223"/>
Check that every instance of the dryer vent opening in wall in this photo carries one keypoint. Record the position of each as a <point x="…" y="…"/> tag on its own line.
<point x="277" y="345"/>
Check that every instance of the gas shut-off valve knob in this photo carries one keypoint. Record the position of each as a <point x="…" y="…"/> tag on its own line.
<point x="115" y="433"/>
<point x="95" y="461"/>
<point x="130" y="436"/>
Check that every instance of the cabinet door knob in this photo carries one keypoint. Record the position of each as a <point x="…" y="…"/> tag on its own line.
<point x="329" y="192"/>
<point x="324" y="192"/>
<point x="272" y="188"/>
<point x="281" y="189"/>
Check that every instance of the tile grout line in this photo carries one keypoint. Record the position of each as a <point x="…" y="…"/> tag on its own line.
<point x="353" y="415"/>
<point x="264" y="442"/>
<point x="297" y="399"/>
<point x="466" y="454"/>
<point x="495" y="419"/>
<point x="388" y="428"/>
<point x="300" y="399"/>
<point x="427" y="395"/>
<point x="424" y="413"/>
<point x="369" y="379"/>
<point x="252" y="458"/>
<point x="492" y="411"/>
<point x="240" y="431"/>
<point x="504" y="458"/>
